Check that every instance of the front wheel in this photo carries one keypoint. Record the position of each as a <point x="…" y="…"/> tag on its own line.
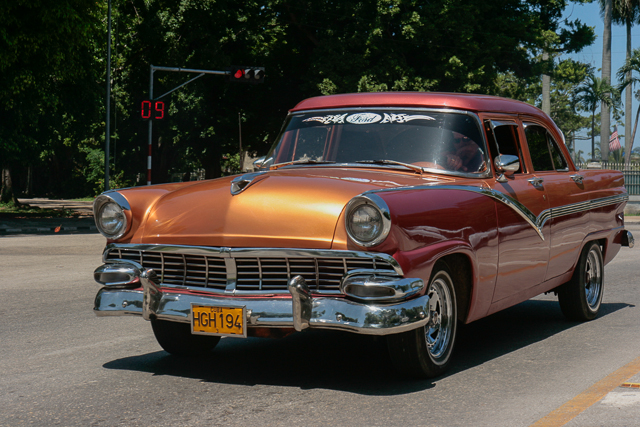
<point x="176" y="339"/>
<point x="580" y="298"/>
<point x="426" y="352"/>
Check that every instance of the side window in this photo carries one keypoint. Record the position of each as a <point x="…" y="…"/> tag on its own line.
<point x="545" y="153"/>
<point x="503" y="139"/>
<point x="556" y="155"/>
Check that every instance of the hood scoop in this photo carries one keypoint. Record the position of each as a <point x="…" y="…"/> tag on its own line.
<point x="240" y="183"/>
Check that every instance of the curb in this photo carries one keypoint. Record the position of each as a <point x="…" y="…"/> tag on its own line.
<point x="47" y="226"/>
<point x="52" y="230"/>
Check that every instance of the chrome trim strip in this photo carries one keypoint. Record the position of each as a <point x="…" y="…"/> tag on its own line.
<point x="537" y="222"/>
<point x="116" y="197"/>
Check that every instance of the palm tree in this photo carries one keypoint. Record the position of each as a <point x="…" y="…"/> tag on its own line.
<point x="628" y="78"/>
<point x="627" y="12"/>
<point x="606" y="8"/>
<point x="588" y="96"/>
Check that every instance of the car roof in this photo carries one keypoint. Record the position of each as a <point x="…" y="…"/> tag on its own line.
<point x="462" y="101"/>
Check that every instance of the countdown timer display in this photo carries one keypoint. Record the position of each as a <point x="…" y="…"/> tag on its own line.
<point x="152" y="110"/>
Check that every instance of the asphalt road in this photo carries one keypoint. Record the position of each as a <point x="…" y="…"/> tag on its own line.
<point x="61" y="365"/>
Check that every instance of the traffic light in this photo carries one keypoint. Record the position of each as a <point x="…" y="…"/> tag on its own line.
<point x="253" y="75"/>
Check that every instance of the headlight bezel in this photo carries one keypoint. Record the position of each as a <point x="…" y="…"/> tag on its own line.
<point x="121" y="204"/>
<point x="376" y="202"/>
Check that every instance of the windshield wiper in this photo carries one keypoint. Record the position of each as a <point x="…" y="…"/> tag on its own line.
<point x="392" y="162"/>
<point x="301" y="162"/>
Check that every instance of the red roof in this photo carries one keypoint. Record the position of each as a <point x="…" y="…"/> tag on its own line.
<point x="462" y="101"/>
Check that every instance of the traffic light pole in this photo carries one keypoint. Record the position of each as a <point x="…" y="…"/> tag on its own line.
<point x="248" y="73"/>
<point x="176" y="70"/>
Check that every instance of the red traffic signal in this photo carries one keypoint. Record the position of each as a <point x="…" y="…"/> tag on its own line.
<point x="252" y="75"/>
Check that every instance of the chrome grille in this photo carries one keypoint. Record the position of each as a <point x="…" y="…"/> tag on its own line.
<point x="251" y="274"/>
<point x="179" y="269"/>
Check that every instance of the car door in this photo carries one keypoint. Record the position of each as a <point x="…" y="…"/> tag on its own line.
<point x="523" y="246"/>
<point x="568" y="195"/>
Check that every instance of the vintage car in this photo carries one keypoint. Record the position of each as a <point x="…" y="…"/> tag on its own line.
<point x="400" y="215"/>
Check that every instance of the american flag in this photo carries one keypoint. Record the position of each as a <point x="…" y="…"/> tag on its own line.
<point x="614" y="141"/>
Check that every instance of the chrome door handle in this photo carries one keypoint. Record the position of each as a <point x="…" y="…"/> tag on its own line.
<point x="536" y="182"/>
<point x="577" y="178"/>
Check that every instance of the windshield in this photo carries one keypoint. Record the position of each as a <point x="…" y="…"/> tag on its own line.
<point x="434" y="140"/>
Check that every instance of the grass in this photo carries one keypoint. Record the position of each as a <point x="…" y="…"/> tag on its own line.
<point x="10" y="210"/>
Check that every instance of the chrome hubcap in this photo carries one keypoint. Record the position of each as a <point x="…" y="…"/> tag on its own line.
<point x="593" y="279"/>
<point x="439" y="329"/>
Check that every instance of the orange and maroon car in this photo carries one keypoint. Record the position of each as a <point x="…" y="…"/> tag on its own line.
<point x="394" y="214"/>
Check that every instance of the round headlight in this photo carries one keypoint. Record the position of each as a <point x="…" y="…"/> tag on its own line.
<point x="368" y="222"/>
<point x="109" y="215"/>
<point x="112" y="218"/>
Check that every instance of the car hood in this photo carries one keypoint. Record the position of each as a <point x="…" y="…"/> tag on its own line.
<point x="296" y="207"/>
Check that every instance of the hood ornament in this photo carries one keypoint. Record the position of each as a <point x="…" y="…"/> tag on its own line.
<point x="240" y="183"/>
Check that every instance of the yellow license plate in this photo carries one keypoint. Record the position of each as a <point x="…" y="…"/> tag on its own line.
<point x="220" y="321"/>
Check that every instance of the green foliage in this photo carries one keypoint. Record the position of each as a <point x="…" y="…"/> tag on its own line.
<point x="566" y="76"/>
<point x="52" y="71"/>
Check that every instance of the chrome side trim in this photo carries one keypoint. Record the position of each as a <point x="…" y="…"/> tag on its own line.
<point x="537" y="222"/>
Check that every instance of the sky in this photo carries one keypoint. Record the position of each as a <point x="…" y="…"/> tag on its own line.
<point x="590" y="15"/>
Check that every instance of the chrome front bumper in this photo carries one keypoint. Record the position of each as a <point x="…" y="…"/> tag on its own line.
<point x="301" y="311"/>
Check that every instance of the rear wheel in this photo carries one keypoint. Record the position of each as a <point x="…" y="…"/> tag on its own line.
<point x="426" y="352"/>
<point x="176" y="339"/>
<point x="580" y="298"/>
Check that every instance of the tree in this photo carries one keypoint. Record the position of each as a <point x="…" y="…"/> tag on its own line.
<point x="308" y="47"/>
<point x="606" y="7"/>
<point x="628" y="80"/>
<point x="627" y="13"/>
<point x="565" y="77"/>
<point x="45" y="63"/>
<point x="589" y="95"/>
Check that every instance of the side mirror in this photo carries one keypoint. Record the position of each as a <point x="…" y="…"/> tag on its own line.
<point x="506" y="165"/>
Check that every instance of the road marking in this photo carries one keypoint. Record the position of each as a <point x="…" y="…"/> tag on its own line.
<point x="590" y="396"/>
<point x="630" y="385"/>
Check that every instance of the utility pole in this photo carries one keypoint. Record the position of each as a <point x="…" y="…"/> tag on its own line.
<point x="107" y="136"/>
<point x="546" y="87"/>
<point x="240" y="159"/>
